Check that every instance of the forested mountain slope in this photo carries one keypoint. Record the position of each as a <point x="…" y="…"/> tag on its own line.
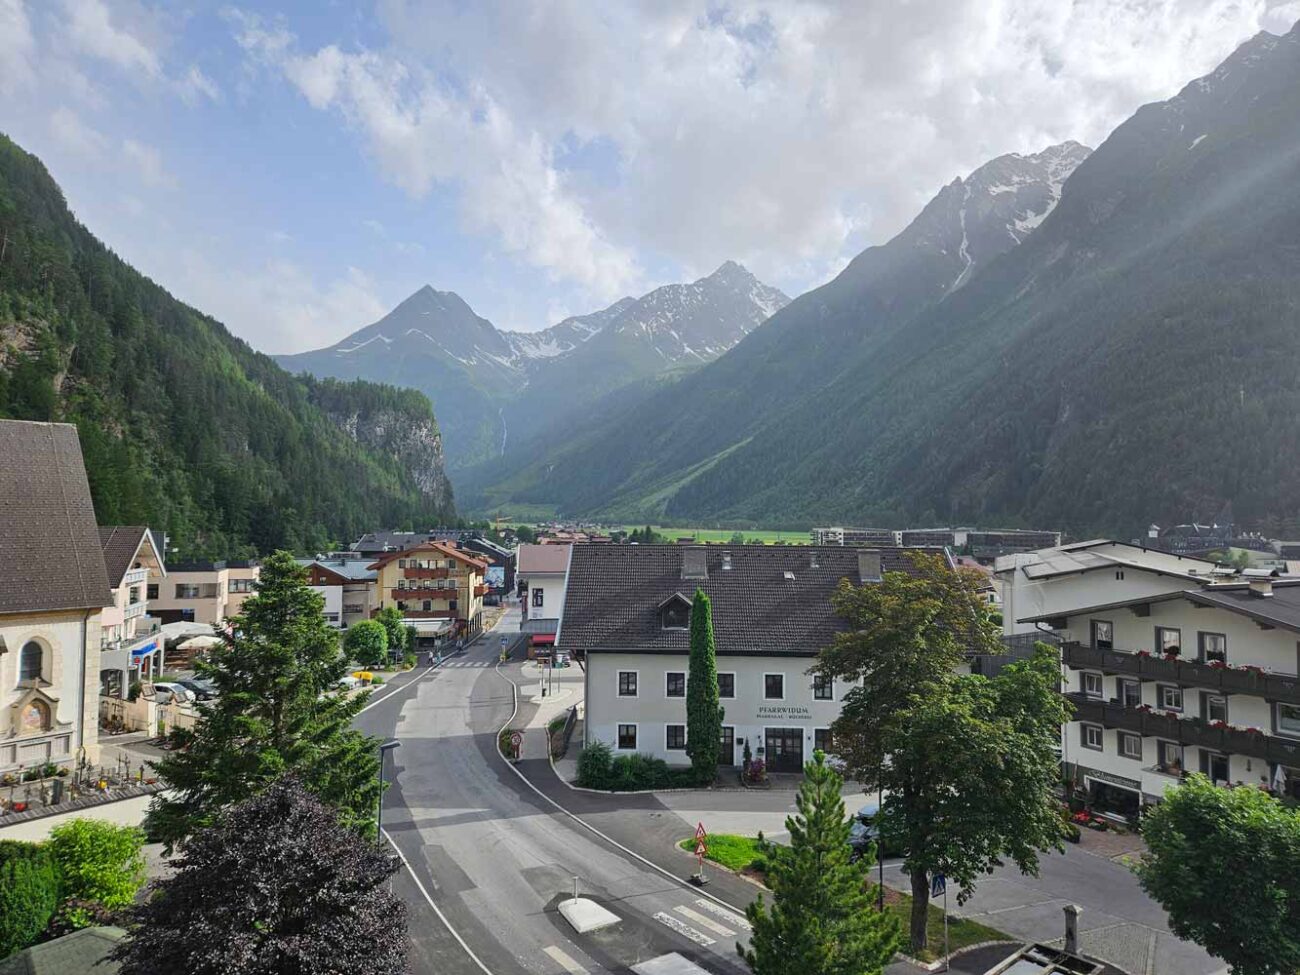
<point x="183" y="426"/>
<point x="633" y="459"/>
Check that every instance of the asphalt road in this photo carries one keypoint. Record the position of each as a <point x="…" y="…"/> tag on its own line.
<point x="496" y="859"/>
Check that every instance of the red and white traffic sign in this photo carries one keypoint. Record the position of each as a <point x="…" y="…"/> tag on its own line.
<point x="516" y="739"/>
<point x="701" y="848"/>
<point x="700" y="834"/>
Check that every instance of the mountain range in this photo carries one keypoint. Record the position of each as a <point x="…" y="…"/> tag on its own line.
<point x="1083" y="341"/>
<point x="183" y="426"/>
<point x="490" y="386"/>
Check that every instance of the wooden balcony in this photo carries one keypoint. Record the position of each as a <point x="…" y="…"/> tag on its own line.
<point x="418" y="573"/>
<point x="480" y="590"/>
<point x="409" y="595"/>
<point x="1184" y="672"/>
<point x="429" y="614"/>
<point x="1187" y="731"/>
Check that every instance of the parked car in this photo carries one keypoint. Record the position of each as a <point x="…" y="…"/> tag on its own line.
<point x="863" y="832"/>
<point x="203" y="690"/>
<point x="347" y="683"/>
<point x="168" y="693"/>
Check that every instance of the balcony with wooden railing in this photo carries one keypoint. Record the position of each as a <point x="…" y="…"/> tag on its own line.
<point x="1168" y="726"/>
<point x="1185" y="672"/>
<point x="410" y="593"/>
<point x="416" y="572"/>
<point x="429" y="614"/>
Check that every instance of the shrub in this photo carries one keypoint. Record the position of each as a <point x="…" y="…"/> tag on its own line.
<point x="29" y="894"/>
<point x="367" y="643"/>
<point x="98" y="862"/>
<point x="409" y="661"/>
<point x="638" y="771"/>
<point x="595" y="766"/>
<point x="376" y="681"/>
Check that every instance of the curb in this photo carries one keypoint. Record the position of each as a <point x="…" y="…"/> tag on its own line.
<point x="940" y="964"/>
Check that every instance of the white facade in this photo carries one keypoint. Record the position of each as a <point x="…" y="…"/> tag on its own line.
<point x="545" y="596"/>
<point x="783" y="730"/>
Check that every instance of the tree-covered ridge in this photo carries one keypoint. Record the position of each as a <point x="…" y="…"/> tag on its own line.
<point x="184" y="426"/>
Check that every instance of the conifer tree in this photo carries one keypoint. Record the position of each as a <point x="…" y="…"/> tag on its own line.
<point x="823" y="919"/>
<point x="703" y="711"/>
<point x="277" y="712"/>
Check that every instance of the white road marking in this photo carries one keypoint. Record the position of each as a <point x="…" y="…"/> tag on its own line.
<point x="731" y="917"/>
<point x="704" y="922"/>
<point x="441" y="917"/>
<point x="564" y="961"/>
<point x="670" y="964"/>
<point x="684" y="929"/>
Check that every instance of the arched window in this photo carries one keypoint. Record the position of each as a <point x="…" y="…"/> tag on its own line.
<point x="30" y="661"/>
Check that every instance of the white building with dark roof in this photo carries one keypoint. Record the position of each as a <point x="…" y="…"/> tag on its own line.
<point x="627" y="612"/>
<point x="53" y="591"/>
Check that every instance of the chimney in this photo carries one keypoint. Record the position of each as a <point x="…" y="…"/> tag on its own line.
<point x="1261" y="587"/>
<point x="812" y="559"/>
<point x="694" y="565"/>
<point x="726" y="561"/>
<point x="868" y="565"/>
<point x="1072" y="912"/>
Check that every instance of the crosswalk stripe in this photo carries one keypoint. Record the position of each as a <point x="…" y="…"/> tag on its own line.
<point x="704" y="922"/>
<point x="669" y="964"/>
<point x="564" y="961"/>
<point x="731" y="917"/>
<point x="684" y="929"/>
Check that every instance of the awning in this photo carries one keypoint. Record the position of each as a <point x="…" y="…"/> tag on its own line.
<point x="429" y="627"/>
<point x="542" y="639"/>
<point x="201" y="643"/>
<point x="144" y="649"/>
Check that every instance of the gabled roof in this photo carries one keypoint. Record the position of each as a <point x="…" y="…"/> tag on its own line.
<point x="349" y="570"/>
<point x="121" y="545"/>
<point x="534" y="559"/>
<point x="49" y="542"/>
<point x="442" y="548"/>
<point x="614" y="593"/>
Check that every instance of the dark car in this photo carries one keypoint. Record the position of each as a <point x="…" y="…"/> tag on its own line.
<point x="203" y="690"/>
<point x="863" y="833"/>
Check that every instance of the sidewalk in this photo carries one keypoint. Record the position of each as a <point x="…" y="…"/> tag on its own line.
<point x="564" y="690"/>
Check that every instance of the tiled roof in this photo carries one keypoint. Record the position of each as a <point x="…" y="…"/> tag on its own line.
<point x="773" y="599"/>
<point x="356" y="570"/>
<point x="49" y="542"/>
<point x="542" y="558"/>
<point x="120" y="543"/>
<point x="441" y="547"/>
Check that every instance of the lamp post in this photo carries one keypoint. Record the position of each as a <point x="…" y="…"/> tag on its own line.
<point x="384" y="749"/>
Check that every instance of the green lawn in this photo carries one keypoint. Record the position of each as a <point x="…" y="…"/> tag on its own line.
<point x="733" y="852"/>
<point x="724" y="534"/>
<point x="961" y="933"/>
<point x="739" y="852"/>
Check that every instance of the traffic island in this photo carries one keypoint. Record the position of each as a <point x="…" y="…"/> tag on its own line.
<point x="585" y="915"/>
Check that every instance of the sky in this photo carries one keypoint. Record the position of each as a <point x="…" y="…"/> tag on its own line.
<point x="297" y="169"/>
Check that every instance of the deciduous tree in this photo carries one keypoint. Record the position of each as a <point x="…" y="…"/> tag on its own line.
<point x="367" y="643"/>
<point x="278" y="711"/>
<point x="275" y="886"/>
<point x="968" y="763"/>
<point x="823" y="920"/>
<point x="1222" y="862"/>
<point x="99" y="863"/>
<point x="703" y="711"/>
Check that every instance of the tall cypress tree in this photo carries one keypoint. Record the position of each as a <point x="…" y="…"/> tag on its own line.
<point x="703" y="711"/>
<point x="822" y="920"/>
<point x="278" y="711"/>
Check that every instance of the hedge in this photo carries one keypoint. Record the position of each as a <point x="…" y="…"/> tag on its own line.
<point x="29" y="894"/>
<point x="598" y="768"/>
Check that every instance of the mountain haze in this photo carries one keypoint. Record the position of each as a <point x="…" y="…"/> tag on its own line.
<point x="493" y="389"/>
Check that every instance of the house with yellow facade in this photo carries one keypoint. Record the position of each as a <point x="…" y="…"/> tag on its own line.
<point x="53" y="592"/>
<point x="438" y="588"/>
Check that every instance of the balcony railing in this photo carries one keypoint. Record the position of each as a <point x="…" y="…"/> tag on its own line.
<point x="413" y="572"/>
<point x="429" y="614"/>
<point x="441" y="595"/>
<point x="1190" y="673"/>
<point x="1186" y="731"/>
<point x="133" y="576"/>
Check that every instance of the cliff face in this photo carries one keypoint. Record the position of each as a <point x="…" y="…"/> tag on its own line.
<point x="414" y="441"/>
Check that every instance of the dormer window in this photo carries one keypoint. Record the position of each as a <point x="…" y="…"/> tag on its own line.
<point x="675" y="613"/>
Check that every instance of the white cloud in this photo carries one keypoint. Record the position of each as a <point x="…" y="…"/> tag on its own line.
<point x="74" y="135"/>
<point x="195" y="86"/>
<point x="17" y="48"/>
<point x="146" y="163"/>
<point x="786" y="135"/>
<point x="91" y="29"/>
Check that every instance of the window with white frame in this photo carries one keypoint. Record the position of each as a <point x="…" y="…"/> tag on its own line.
<point x="1170" y="697"/>
<point x="31" y="661"/>
<point x="727" y="685"/>
<point x="627" y="683"/>
<point x="1288" y="719"/>
<point x="627" y="737"/>
<point x="1169" y="639"/>
<point x="1129" y="692"/>
<point x="1130" y="746"/>
<point x="1103" y="634"/>
<point x="774" y="687"/>
<point x="1092" y="684"/>
<point x="823" y="688"/>
<point x="1214" y="647"/>
<point x="675" y="684"/>
<point x="538" y="596"/>
<point x="675" y="737"/>
<point x="1090" y="736"/>
<point x="1170" y="756"/>
<point x="822" y="740"/>
<point x="1214" y="707"/>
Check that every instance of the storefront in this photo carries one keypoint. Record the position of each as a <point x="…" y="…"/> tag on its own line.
<point x="1112" y="793"/>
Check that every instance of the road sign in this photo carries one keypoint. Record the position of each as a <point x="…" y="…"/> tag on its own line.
<point x="516" y="741"/>
<point x="700" y="834"/>
<point x="938" y="884"/>
<point x="701" y="848"/>
<point x="504" y="640"/>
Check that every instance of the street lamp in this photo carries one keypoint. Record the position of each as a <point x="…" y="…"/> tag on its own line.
<point x="384" y="749"/>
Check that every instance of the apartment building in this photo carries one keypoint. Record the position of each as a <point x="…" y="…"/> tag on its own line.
<point x="347" y="586"/>
<point x="131" y="646"/>
<point x="542" y="573"/>
<point x="205" y="592"/>
<point x="627" y="612"/>
<point x="53" y="592"/>
<point x="855" y="537"/>
<point x="437" y="586"/>
<point x="1202" y="680"/>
